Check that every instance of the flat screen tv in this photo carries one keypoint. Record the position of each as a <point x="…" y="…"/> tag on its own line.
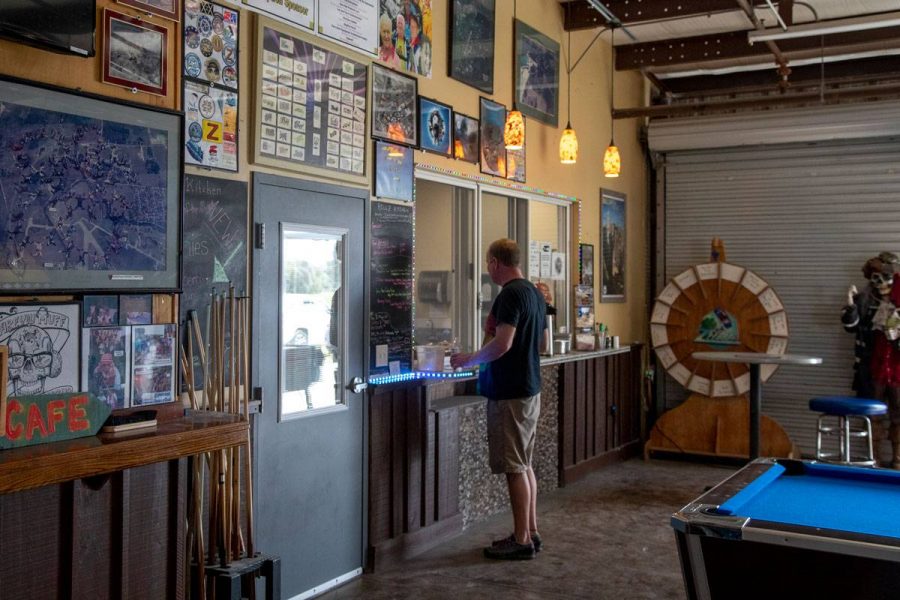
<point x="59" y="25"/>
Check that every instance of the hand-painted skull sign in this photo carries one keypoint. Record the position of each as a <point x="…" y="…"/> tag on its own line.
<point x="43" y="357"/>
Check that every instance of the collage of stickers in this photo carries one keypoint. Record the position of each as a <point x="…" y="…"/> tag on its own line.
<point x="210" y="85"/>
<point x="312" y="105"/>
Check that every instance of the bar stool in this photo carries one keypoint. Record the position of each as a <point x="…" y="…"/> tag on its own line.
<point x="852" y="422"/>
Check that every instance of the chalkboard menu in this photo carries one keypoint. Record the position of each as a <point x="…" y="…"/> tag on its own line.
<point x="392" y="291"/>
<point x="215" y="246"/>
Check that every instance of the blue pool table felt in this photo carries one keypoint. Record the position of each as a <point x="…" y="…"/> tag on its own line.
<point x="850" y="499"/>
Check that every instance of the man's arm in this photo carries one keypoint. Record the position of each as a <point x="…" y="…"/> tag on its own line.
<point x="491" y="351"/>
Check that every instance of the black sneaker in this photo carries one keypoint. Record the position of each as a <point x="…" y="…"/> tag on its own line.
<point x="536" y="541"/>
<point x="509" y="549"/>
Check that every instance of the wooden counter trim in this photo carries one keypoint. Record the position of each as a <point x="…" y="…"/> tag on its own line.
<point x="36" y="466"/>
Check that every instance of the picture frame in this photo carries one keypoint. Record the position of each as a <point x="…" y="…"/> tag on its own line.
<point x="471" y="47"/>
<point x="492" y="151"/>
<point x="100" y="311"/>
<point x="536" y="76"/>
<point x="394" y="106"/>
<point x="435" y="127"/>
<point x="466" y="137"/>
<point x="586" y="264"/>
<point x="106" y="364"/>
<point x="414" y="53"/>
<point x="143" y="255"/>
<point x="515" y="165"/>
<point x="613" y="249"/>
<point x="134" y="53"/>
<point x="136" y="309"/>
<point x="394" y="171"/>
<point x="43" y="337"/>
<point x="153" y="358"/>
<point x="168" y="9"/>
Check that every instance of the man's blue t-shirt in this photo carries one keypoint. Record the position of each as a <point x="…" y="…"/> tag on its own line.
<point x="517" y="374"/>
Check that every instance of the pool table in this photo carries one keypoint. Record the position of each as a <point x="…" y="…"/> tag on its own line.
<point x="782" y="528"/>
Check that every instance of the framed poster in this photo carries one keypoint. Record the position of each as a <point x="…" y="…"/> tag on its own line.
<point x="586" y="271"/>
<point x="100" y="311"/>
<point x="211" y="43"/>
<point x="311" y="105"/>
<point x="153" y="371"/>
<point x="210" y="126"/>
<point x="353" y="23"/>
<point x="131" y="205"/>
<point x="105" y="364"/>
<point x="465" y="138"/>
<point x="394" y="170"/>
<point x="536" y="74"/>
<point x="136" y="309"/>
<point x="612" y="251"/>
<point x="493" y="151"/>
<point x="394" y="114"/>
<point x="435" y="126"/>
<point x="164" y="8"/>
<point x="472" y="43"/>
<point x="409" y="47"/>
<point x="134" y="53"/>
<point x="515" y="165"/>
<point x="43" y="347"/>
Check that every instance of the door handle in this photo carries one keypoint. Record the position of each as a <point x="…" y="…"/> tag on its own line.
<point x="357" y="385"/>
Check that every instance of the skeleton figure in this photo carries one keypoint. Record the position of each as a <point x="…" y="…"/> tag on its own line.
<point x="32" y="360"/>
<point x="872" y="315"/>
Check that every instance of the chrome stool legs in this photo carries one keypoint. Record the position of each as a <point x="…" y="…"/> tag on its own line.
<point x="845" y="433"/>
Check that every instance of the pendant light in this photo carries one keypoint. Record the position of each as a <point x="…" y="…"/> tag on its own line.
<point x="612" y="162"/>
<point x="568" y="143"/>
<point x="514" y="130"/>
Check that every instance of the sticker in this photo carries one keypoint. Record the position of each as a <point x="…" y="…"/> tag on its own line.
<point x="286" y="44"/>
<point x="268" y="132"/>
<point x="269" y="103"/>
<point x="229" y="33"/>
<point x="213" y="71"/>
<point x="317" y="117"/>
<point x="229" y="76"/>
<point x="298" y="139"/>
<point x="345" y="164"/>
<point x="269" y="72"/>
<point x="318" y="56"/>
<point x="334" y="121"/>
<point x="217" y="43"/>
<point x="346" y="152"/>
<point x="195" y="132"/>
<point x="357" y="154"/>
<point x="270" y="58"/>
<point x="284" y="121"/>
<point x="359" y="127"/>
<point x="317" y="144"/>
<point x="285" y="63"/>
<point x="348" y="68"/>
<point x="300" y="67"/>
<point x="300" y="82"/>
<point x="268" y="117"/>
<point x="192" y="7"/>
<point x="205" y="24"/>
<point x="267" y="147"/>
<point x="334" y="94"/>
<point x="299" y="96"/>
<point x="230" y="16"/>
<point x="347" y="84"/>
<point x="347" y="98"/>
<point x="207" y="106"/>
<point x="331" y="146"/>
<point x="229" y="53"/>
<point x="283" y="151"/>
<point x="358" y="166"/>
<point x="269" y="88"/>
<point x="284" y="135"/>
<point x="206" y="47"/>
<point x="334" y="80"/>
<point x="191" y="36"/>
<point x="192" y="65"/>
<point x="359" y="101"/>
<point x="331" y="161"/>
<point x="212" y="131"/>
<point x="299" y="125"/>
<point x="284" y="106"/>
<point x="218" y="25"/>
<point x="358" y="140"/>
<point x="298" y="153"/>
<point x="194" y="150"/>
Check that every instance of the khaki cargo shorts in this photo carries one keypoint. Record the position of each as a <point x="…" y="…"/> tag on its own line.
<point x="511" y="428"/>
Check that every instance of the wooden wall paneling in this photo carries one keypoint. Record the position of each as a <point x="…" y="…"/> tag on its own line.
<point x="597" y="366"/>
<point x="637" y="379"/>
<point x="580" y="410"/>
<point x="590" y="393"/>
<point x="30" y="530"/>
<point x="178" y="480"/>
<point x="398" y="460"/>
<point x="92" y="518"/>
<point x="149" y="571"/>
<point x="379" y="467"/>
<point x="415" y="422"/>
<point x="447" y="433"/>
<point x="122" y="524"/>
<point x="612" y="395"/>
<point x="429" y="493"/>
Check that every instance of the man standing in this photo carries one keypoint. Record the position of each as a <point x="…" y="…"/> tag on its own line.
<point x="511" y="380"/>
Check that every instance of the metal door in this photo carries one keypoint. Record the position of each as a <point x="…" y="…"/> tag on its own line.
<point x="309" y="291"/>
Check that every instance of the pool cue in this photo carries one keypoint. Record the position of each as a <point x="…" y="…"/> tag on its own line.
<point x="236" y="346"/>
<point x="201" y="348"/>
<point x="248" y="468"/>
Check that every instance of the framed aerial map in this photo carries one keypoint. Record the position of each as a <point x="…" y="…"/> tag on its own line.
<point x="90" y="192"/>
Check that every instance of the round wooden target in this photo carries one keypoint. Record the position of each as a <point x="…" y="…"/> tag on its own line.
<point x="717" y="306"/>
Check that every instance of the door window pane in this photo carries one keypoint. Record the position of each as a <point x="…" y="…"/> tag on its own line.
<point x="312" y="319"/>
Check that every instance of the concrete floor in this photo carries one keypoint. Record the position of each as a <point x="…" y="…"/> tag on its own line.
<point x="607" y="536"/>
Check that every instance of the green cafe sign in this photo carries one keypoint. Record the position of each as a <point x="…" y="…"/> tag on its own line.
<point x="31" y="420"/>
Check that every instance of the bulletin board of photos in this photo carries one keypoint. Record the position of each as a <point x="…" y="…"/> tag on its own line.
<point x="107" y="345"/>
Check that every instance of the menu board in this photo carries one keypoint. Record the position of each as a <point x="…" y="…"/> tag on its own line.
<point x="312" y="106"/>
<point x="351" y="22"/>
<point x="391" y="317"/>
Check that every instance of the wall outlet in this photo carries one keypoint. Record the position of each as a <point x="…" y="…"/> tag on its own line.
<point x="381" y="355"/>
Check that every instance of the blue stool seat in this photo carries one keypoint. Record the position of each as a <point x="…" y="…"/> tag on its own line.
<point x="848" y="405"/>
<point x="848" y="410"/>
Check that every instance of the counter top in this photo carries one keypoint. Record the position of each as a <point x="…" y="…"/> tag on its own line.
<point x="580" y="355"/>
<point x="56" y="462"/>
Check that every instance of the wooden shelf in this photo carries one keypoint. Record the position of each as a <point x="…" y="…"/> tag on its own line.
<point x="46" y="464"/>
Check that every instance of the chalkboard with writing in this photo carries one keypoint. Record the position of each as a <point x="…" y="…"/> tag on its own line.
<point x="390" y="319"/>
<point x="215" y="246"/>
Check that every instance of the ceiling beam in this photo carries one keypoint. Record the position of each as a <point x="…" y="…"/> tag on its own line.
<point x="580" y="15"/>
<point x="734" y="45"/>
<point x="775" y="100"/>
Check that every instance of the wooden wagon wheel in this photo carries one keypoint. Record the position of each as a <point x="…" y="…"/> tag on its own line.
<point x="717" y="306"/>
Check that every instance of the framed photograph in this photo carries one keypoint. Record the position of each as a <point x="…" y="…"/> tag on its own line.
<point x="586" y="269"/>
<point x="465" y="138"/>
<point x="472" y="43"/>
<point x="493" y="151"/>
<point x="164" y="8"/>
<point x="100" y="311"/>
<point x="612" y="251"/>
<point x="130" y="206"/>
<point x="536" y="74"/>
<point x="394" y="115"/>
<point x="153" y="356"/>
<point x="134" y="53"/>
<point x="405" y="35"/>
<point x="211" y="43"/>
<point x="435" y="126"/>
<point x="105" y="354"/>
<point x="136" y="309"/>
<point x="515" y="165"/>
<point x="43" y="347"/>
<point x="393" y="171"/>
